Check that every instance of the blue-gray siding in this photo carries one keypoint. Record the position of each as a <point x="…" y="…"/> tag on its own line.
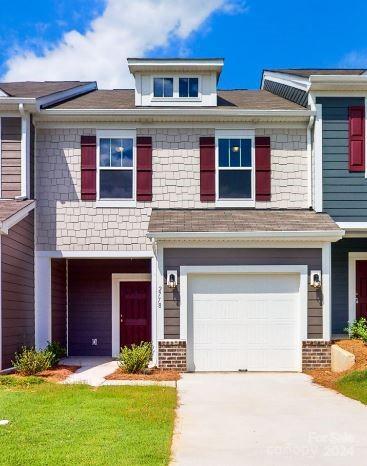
<point x="287" y="92"/>
<point x="339" y="267"/>
<point x="344" y="193"/>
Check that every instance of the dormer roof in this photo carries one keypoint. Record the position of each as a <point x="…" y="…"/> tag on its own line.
<point x="142" y="65"/>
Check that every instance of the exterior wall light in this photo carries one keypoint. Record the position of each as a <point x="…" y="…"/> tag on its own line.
<point x="172" y="278"/>
<point x="315" y="278"/>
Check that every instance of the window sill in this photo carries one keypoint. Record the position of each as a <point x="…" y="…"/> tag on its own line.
<point x="235" y="203"/>
<point x="115" y="203"/>
<point x="176" y="99"/>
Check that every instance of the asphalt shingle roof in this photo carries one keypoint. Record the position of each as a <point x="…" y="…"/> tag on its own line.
<point x="36" y="89"/>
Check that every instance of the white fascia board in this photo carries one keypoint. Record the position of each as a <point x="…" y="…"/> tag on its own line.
<point x="67" y="94"/>
<point x="287" y="79"/>
<point x="96" y="254"/>
<point x="145" y="65"/>
<point x="338" y="83"/>
<point x="136" y="112"/>
<point x="331" y="236"/>
<point x="16" y="218"/>
<point x="352" y="225"/>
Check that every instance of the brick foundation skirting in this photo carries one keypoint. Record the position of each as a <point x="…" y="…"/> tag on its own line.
<point x="316" y="354"/>
<point x="172" y="354"/>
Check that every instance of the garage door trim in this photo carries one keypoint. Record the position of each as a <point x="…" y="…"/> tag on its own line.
<point x="302" y="270"/>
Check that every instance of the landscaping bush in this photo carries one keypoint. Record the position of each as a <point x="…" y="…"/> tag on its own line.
<point x="135" y="358"/>
<point x="58" y="352"/>
<point x="358" y="329"/>
<point x="30" y="361"/>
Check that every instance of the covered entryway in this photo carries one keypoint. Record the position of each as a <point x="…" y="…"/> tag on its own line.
<point x="244" y="321"/>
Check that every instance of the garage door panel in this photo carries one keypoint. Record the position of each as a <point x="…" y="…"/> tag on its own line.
<point x="244" y="322"/>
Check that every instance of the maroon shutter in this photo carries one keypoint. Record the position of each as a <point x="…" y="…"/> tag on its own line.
<point x="356" y="139"/>
<point x="144" y="169"/>
<point x="207" y="169"/>
<point x="263" y="169"/>
<point x="88" y="168"/>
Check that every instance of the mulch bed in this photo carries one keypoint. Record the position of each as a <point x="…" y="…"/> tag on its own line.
<point x="153" y="374"/>
<point x="56" y="374"/>
<point x="327" y="378"/>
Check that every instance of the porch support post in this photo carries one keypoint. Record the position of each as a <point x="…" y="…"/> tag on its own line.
<point x="42" y="300"/>
<point x="326" y="288"/>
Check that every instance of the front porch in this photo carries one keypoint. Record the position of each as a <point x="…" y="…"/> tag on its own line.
<point x="93" y="306"/>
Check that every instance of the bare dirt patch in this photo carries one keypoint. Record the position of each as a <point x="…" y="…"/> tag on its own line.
<point x="153" y="374"/>
<point x="328" y="378"/>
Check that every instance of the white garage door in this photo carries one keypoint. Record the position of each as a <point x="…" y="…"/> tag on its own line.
<point x="244" y="322"/>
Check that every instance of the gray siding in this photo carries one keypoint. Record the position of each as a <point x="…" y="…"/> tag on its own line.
<point x="174" y="258"/>
<point x="10" y="157"/>
<point x="17" y="289"/>
<point x="339" y="271"/>
<point x="287" y="92"/>
<point x="344" y="193"/>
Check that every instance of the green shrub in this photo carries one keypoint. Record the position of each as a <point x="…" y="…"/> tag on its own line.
<point x="11" y="381"/>
<point x="358" y="329"/>
<point x="30" y="361"/>
<point x="57" y="351"/>
<point x="135" y="358"/>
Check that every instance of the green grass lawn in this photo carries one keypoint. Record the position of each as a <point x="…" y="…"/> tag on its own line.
<point x="354" y="385"/>
<point x="54" y="424"/>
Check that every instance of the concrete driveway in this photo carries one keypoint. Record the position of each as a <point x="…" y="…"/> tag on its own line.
<point x="266" y="419"/>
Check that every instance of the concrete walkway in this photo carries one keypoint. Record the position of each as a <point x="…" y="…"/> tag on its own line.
<point x="93" y="370"/>
<point x="266" y="419"/>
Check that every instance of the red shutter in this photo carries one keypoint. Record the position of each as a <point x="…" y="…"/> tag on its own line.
<point x="144" y="169"/>
<point x="207" y="169"/>
<point x="356" y="139"/>
<point x="263" y="169"/>
<point x="88" y="168"/>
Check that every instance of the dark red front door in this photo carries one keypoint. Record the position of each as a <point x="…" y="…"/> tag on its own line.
<point x="135" y="312"/>
<point x="361" y="288"/>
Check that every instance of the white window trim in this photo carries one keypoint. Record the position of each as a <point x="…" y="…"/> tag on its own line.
<point x="353" y="257"/>
<point x="176" y="97"/>
<point x="235" y="134"/>
<point x="123" y="134"/>
<point x="302" y="270"/>
<point x="117" y="278"/>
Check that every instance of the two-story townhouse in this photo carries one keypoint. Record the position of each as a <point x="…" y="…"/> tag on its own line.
<point x="340" y="186"/>
<point x="181" y="214"/>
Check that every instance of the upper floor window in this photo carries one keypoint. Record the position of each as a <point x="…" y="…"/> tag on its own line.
<point x="116" y="165"/>
<point x="163" y="87"/>
<point x="178" y="88"/>
<point x="235" y="169"/>
<point x="188" y="87"/>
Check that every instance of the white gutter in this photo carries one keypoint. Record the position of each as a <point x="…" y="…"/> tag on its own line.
<point x="337" y="78"/>
<point x="177" y="112"/>
<point x="331" y="235"/>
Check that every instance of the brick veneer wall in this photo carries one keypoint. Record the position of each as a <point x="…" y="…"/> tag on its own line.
<point x="316" y="354"/>
<point x="172" y="354"/>
<point x="66" y="222"/>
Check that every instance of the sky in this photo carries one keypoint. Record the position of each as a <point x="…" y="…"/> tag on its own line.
<point x="90" y="39"/>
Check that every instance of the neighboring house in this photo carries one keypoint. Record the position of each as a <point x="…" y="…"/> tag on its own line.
<point x="340" y="174"/>
<point x="192" y="217"/>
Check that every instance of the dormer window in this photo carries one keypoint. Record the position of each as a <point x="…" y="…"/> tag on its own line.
<point x="188" y="87"/>
<point x="163" y="87"/>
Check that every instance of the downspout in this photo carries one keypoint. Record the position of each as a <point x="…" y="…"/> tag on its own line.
<point x="309" y="160"/>
<point x="25" y="157"/>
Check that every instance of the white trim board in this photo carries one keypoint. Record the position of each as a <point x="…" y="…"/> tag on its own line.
<point x="318" y="201"/>
<point x="302" y="270"/>
<point x="62" y="253"/>
<point x="353" y="257"/>
<point x="116" y="279"/>
<point x="16" y="218"/>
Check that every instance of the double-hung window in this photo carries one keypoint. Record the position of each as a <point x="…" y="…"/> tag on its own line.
<point x="235" y="168"/>
<point x="116" y="165"/>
